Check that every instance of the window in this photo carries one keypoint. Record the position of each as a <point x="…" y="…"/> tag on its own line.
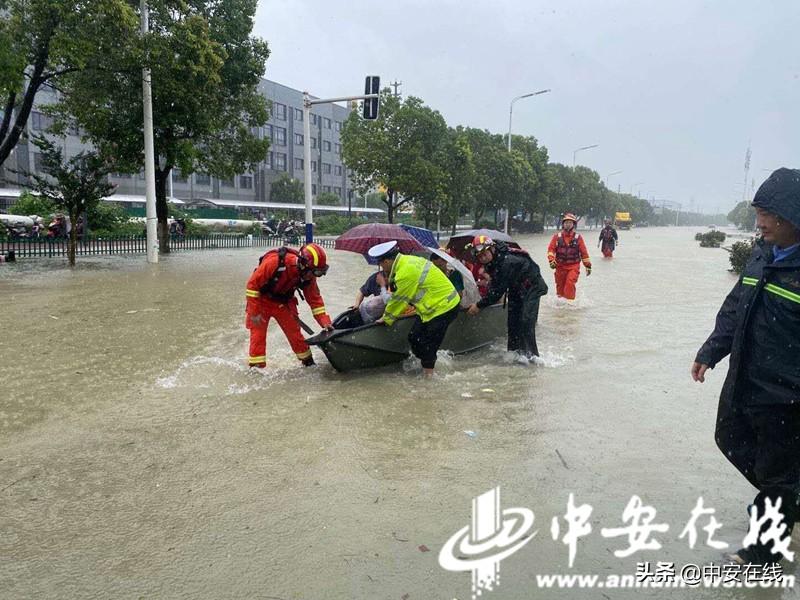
<point x="337" y="191"/>
<point x="280" y="136"/>
<point x="326" y="168"/>
<point x="40" y="121"/>
<point x="227" y="183"/>
<point x="121" y="175"/>
<point x="298" y="139"/>
<point x="280" y="111"/>
<point x="202" y="179"/>
<point x="313" y="189"/>
<point x="246" y="182"/>
<point x="298" y="114"/>
<point x="298" y="164"/>
<point x="280" y="161"/>
<point x="338" y="149"/>
<point x="338" y="125"/>
<point x="270" y="160"/>
<point x="314" y="119"/>
<point x="326" y="188"/>
<point x="326" y="145"/>
<point x="37" y="162"/>
<point x="177" y="176"/>
<point x="327" y="123"/>
<point x="313" y="143"/>
<point x="313" y="166"/>
<point x="268" y="132"/>
<point x="337" y="170"/>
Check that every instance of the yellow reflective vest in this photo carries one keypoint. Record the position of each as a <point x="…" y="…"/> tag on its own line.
<point x="417" y="281"/>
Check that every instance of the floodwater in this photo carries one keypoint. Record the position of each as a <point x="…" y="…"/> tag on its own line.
<point x="139" y="458"/>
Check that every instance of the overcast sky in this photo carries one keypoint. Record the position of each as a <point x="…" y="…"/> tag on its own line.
<point x="672" y="91"/>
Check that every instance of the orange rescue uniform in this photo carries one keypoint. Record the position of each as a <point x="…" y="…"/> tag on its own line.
<point x="271" y="294"/>
<point x="568" y="250"/>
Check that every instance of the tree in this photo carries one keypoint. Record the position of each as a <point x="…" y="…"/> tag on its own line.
<point x="41" y="41"/>
<point x="394" y="153"/>
<point x="287" y="190"/>
<point x="743" y="216"/>
<point x="207" y="110"/>
<point x="459" y="168"/>
<point x="76" y="185"/>
<point x="328" y="199"/>
<point x="30" y="204"/>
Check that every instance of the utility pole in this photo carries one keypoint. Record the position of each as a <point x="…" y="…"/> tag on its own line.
<point x="396" y="84"/>
<point x="746" y="171"/>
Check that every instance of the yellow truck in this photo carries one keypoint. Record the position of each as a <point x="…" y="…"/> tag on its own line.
<point x="623" y="220"/>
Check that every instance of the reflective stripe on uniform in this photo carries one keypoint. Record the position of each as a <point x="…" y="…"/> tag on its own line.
<point x="258" y="359"/>
<point x="252" y="293"/>
<point x="421" y="293"/>
<point x="318" y="311"/>
<point x="451" y="296"/>
<point x="783" y="293"/>
<point x="749" y="281"/>
<point x="302" y="355"/>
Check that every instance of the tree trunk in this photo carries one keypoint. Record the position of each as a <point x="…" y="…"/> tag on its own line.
<point x="162" y="210"/>
<point x="73" y="237"/>
<point x="11" y="136"/>
<point x="390" y="206"/>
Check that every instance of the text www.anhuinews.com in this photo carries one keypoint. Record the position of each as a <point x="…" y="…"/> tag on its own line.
<point x="630" y="581"/>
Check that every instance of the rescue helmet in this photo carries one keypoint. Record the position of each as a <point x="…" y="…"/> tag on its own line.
<point x="314" y="259"/>
<point x="569" y="217"/>
<point x="480" y="243"/>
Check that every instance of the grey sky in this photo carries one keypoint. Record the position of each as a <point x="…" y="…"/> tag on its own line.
<point x="671" y="90"/>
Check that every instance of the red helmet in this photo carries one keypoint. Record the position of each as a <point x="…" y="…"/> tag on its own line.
<point x="569" y="217"/>
<point x="481" y="243"/>
<point x="315" y="259"/>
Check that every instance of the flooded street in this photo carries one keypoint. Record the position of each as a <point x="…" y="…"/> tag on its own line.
<point x="139" y="456"/>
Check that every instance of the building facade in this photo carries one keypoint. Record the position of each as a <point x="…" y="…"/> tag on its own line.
<point x="285" y="155"/>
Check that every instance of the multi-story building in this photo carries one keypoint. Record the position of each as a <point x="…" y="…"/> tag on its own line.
<point x="284" y="129"/>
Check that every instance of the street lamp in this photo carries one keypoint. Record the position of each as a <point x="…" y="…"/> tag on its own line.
<point x="510" y="115"/>
<point x="636" y="185"/>
<point x="574" y="154"/>
<point x="610" y="175"/>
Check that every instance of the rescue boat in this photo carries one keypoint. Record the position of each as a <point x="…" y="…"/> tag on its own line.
<point x="351" y="346"/>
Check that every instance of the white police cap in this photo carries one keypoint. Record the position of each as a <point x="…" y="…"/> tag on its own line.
<point x="385" y="249"/>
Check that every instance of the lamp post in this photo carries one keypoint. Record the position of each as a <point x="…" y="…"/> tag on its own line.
<point x="575" y="153"/>
<point x="636" y="185"/>
<point x="151" y="221"/>
<point x="510" y="115"/>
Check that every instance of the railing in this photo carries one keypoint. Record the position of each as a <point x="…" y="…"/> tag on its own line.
<point x="44" y="247"/>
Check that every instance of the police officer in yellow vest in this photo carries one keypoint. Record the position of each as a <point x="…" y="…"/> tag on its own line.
<point x="416" y="281"/>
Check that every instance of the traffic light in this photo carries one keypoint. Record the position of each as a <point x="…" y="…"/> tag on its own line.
<point x="372" y="86"/>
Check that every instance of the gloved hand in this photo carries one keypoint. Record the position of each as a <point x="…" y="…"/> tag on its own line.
<point x="553" y="264"/>
<point x="588" y="270"/>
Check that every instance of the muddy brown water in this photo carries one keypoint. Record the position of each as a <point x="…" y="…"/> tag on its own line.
<point x="139" y="457"/>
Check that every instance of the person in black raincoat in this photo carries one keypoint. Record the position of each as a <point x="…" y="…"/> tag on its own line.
<point x="514" y="273"/>
<point x="758" y="419"/>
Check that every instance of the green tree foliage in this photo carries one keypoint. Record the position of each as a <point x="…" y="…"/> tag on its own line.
<point x="396" y="153"/>
<point x="32" y="204"/>
<point x="42" y="41"/>
<point x="76" y="185"/>
<point x="205" y="68"/>
<point x="328" y="199"/>
<point x="287" y="190"/>
<point x="743" y="216"/>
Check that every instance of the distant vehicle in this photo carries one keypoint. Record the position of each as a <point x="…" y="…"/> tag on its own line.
<point x="623" y="220"/>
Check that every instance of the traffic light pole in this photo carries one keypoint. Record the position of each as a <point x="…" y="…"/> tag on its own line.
<point x="307" y="104"/>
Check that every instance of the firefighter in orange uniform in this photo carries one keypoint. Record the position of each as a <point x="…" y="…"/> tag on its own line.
<point x="271" y="294"/>
<point x="565" y="253"/>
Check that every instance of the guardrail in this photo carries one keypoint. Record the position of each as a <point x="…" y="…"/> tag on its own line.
<point x="44" y="247"/>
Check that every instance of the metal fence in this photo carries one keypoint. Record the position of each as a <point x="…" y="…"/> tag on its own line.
<point x="43" y="247"/>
